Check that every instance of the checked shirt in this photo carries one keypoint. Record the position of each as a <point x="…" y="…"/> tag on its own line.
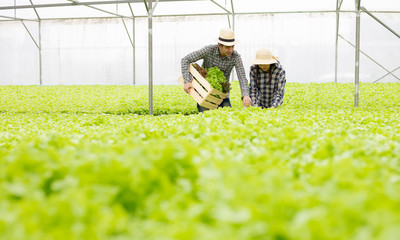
<point x="264" y="93"/>
<point x="211" y="58"/>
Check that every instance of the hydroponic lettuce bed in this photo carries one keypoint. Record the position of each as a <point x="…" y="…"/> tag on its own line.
<point x="86" y="162"/>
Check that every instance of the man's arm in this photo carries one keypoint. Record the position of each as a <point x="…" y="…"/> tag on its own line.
<point x="244" y="84"/>
<point x="190" y="58"/>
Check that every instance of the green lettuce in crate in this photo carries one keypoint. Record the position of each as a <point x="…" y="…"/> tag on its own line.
<point x="215" y="77"/>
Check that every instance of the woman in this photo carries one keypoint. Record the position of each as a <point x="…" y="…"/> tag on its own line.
<point x="267" y="80"/>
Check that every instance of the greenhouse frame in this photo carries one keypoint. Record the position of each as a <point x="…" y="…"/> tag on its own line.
<point x="302" y="143"/>
<point x="37" y="17"/>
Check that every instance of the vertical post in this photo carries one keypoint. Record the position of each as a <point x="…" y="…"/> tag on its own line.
<point x="134" y="50"/>
<point x="233" y="28"/>
<point x="40" y="53"/>
<point x="337" y="40"/>
<point x="357" y="58"/>
<point x="133" y="45"/>
<point x="150" y="36"/>
<point x="39" y="45"/>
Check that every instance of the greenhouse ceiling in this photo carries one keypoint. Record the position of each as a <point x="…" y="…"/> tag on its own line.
<point x="66" y="9"/>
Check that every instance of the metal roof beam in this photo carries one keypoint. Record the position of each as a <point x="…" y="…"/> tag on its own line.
<point x="14" y="18"/>
<point x="379" y="21"/>
<point x="386" y="75"/>
<point x="373" y="60"/>
<point x="84" y="4"/>
<point x="66" y="4"/>
<point x="37" y="14"/>
<point x="98" y="9"/>
<point x="226" y="10"/>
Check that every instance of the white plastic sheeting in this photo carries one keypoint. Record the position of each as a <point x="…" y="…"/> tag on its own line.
<point x="98" y="51"/>
<point x="179" y="7"/>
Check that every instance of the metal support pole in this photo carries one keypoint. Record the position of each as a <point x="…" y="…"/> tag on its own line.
<point x="379" y="21"/>
<point x="33" y="39"/>
<point x="134" y="50"/>
<point x="40" y="52"/>
<point x="133" y="45"/>
<point x="233" y="28"/>
<point x="337" y="39"/>
<point x="373" y="60"/>
<point x="357" y="63"/>
<point x="150" y="36"/>
<point x="39" y="45"/>
<point x="226" y="10"/>
<point x="388" y="74"/>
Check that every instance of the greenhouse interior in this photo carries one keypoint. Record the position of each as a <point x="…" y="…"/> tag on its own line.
<point x="73" y="42"/>
<point x="99" y="139"/>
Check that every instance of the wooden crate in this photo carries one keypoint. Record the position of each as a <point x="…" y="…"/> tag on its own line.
<point x="202" y="91"/>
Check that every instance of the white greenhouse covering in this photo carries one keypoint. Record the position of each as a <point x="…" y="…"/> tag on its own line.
<point x="48" y="42"/>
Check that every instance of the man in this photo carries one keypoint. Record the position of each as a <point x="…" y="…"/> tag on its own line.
<point x="225" y="58"/>
<point x="267" y="80"/>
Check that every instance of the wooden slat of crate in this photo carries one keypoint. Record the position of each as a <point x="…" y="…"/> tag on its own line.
<point x="200" y="78"/>
<point x="202" y="90"/>
<point x="207" y="97"/>
<point x="192" y="92"/>
<point x="206" y="84"/>
<point x="219" y="93"/>
<point x="203" y="93"/>
<point x="199" y="99"/>
<point x="213" y="99"/>
<point x="209" y="105"/>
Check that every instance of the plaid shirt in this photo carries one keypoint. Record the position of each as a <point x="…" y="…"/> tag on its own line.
<point x="211" y="58"/>
<point x="264" y="94"/>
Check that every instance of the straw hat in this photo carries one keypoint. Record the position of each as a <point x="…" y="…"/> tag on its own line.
<point x="227" y="37"/>
<point x="264" y="56"/>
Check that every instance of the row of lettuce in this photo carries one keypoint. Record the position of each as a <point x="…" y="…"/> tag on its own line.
<point x="173" y="100"/>
<point x="316" y="168"/>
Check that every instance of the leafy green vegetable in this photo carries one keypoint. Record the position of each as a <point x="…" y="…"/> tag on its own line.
<point x="216" y="78"/>
<point x="201" y="70"/>
<point x="86" y="162"/>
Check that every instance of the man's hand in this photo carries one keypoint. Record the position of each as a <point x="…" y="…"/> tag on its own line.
<point x="246" y="101"/>
<point x="186" y="87"/>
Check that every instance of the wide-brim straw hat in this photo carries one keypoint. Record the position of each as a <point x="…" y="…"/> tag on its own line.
<point x="227" y="37"/>
<point x="264" y="56"/>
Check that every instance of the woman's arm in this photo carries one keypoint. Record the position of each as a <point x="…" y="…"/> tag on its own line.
<point x="254" y="95"/>
<point x="277" y="99"/>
